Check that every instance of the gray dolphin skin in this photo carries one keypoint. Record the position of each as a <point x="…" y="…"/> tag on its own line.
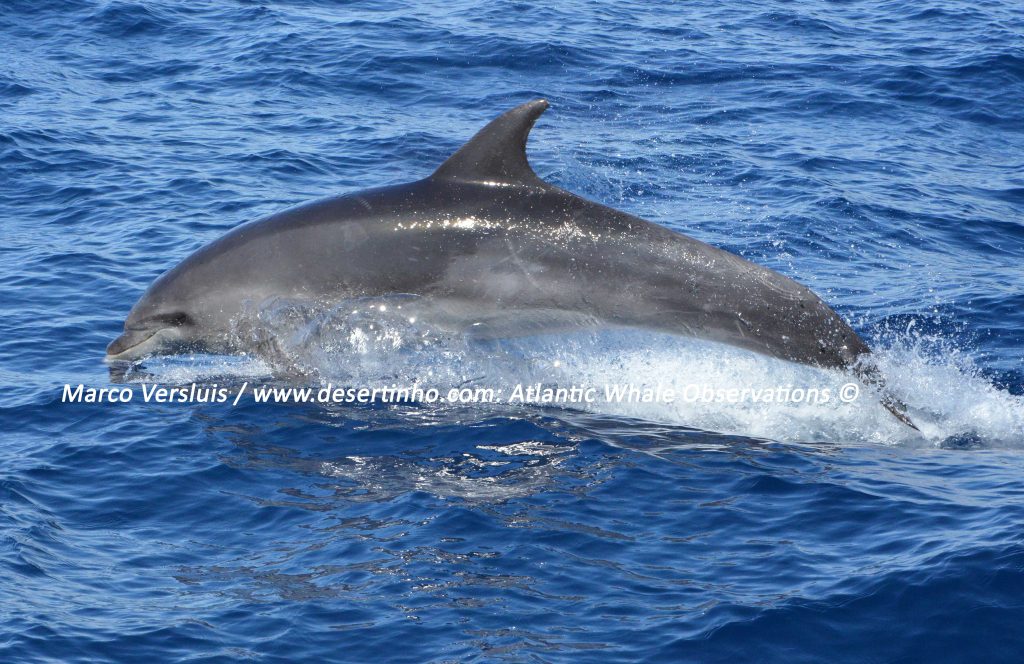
<point x="491" y="244"/>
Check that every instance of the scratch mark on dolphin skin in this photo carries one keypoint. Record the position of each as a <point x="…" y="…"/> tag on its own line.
<point x="366" y="204"/>
<point x="514" y="256"/>
<point x="740" y="323"/>
<point x="354" y="234"/>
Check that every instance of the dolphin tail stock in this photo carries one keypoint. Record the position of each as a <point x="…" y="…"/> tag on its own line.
<point x="871" y="375"/>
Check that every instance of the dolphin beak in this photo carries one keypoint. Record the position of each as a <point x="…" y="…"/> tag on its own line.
<point x="132" y="344"/>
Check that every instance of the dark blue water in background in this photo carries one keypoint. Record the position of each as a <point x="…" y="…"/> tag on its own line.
<point x="872" y="150"/>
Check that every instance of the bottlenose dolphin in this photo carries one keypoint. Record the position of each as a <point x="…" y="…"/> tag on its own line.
<point x="492" y="245"/>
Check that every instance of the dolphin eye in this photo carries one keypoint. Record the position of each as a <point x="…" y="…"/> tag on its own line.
<point x="176" y="319"/>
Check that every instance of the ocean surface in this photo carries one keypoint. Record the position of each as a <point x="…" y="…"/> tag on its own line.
<point x="873" y="151"/>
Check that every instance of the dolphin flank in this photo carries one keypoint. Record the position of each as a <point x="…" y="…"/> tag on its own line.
<point x="492" y="246"/>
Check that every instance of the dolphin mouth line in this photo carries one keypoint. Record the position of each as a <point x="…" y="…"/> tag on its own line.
<point x="123" y="355"/>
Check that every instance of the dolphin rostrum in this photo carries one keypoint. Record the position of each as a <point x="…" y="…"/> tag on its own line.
<point x="491" y="243"/>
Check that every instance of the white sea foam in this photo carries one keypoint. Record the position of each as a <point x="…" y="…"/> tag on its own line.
<point x="382" y="343"/>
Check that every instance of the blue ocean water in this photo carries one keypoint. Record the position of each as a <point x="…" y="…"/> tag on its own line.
<point x="871" y="150"/>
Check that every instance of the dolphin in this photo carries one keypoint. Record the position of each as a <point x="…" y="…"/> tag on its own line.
<point x="493" y="246"/>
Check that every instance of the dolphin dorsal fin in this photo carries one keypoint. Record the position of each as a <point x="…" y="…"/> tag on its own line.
<point x="497" y="153"/>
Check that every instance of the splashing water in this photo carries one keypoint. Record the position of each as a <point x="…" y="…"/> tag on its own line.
<point x="386" y="342"/>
